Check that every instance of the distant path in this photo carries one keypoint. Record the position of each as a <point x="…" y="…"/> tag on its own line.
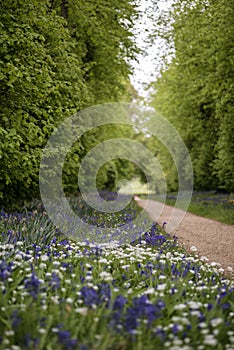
<point x="212" y="239"/>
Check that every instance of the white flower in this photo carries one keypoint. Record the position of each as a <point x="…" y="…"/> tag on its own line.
<point x="194" y="304"/>
<point x="231" y="338"/>
<point x="161" y="286"/>
<point x="42" y="266"/>
<point x="44" y="257"/>
<point x="210" y="340"/>
<point x="106" y="276"/>
<point x="195" y="313"/>
<point x="55" y="330"/>
<point x="180" y="307"/>
<point x="202" y="325"/>
<point x="9" y="333"/>
<point x="149" y="291"/>
<point x="162" y="277"/>
<point x="42" y="331"/>
<point x="82" y="310"/>
<point x="193" y="248"/>
<point x="216" y="322"/>
<point x="88" y="278"/>
<point x="204" y="258"/>
<point x="69" y="300"/>
<point x="18" y="257"/>
<point x="177" y="342"/>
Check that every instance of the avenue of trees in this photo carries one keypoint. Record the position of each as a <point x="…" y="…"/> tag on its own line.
<point x="195" y="91"/>
<point x="58" y="57"/>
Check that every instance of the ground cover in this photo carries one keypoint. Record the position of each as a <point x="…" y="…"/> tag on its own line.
<point x="58" y="293"/>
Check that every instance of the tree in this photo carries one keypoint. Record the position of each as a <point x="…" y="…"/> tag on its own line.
<point x="56" y="58"/>
<point x="196" y="90"/>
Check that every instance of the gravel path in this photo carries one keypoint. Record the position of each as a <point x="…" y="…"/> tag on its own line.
<point x="208" y="238"/>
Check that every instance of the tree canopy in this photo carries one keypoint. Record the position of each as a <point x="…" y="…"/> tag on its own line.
<point x="56" y="58"/>
<point x="195" y="91"/>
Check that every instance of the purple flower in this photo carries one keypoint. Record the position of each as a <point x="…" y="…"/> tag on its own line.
<point x="117" y="307"/>
<point x="142" y="308"/>
<point x="30" y="343"/>
<point x="32" y="285"/>
<point x="5" y="270"/>
<point x="119" y="303"/>
<point x="160" y="333"/>
<point x="209" y="306"/>
<point x="226" y="306"/>
<point x="64" y="337"/>
<point x="104" y="293"/>
<point x="89" y="295"/>
<point x="55" y="281"/>
<point x="175" y="329"/>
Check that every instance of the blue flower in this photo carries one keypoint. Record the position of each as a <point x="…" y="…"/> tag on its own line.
<point x="142" y="308"/>
<point x="33" y="285"/>
<point x="55" y="281"/>
<point x="5" y="270"/>
<point x="119" y="303"/>
<point x="89" y="295"/>
<point x="64" y="337"/>
<point x="175" y="329"/>
<point x="104" y="293"/>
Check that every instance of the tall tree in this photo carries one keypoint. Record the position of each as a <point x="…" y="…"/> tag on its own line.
<point x="196" y="91"/>
<point x="55" y="59"/>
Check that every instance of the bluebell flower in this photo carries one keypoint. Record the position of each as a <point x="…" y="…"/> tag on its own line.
<point x="226" y="306"/>
<point x="160" y="333"/>
<point x="5" y="270"/>
<point x="209" y="306"/>
<point x="55" y="281"/>
<point x="175" y="328"/>
<point x="32" y="285"/>
<point x="119" y="303"/>
<point x="131" y="319"/>
<point x="31" y="343"/>
<point x="104" y="293"/>
<point x="89" y="295"/>
<point x="64" y="337"/>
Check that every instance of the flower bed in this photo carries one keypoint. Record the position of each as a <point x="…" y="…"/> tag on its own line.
<point x="60" y="294"/>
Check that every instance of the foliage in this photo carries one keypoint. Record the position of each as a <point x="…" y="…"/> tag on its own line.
<point x="195" y="92"/>
<point x="56" y="58"/>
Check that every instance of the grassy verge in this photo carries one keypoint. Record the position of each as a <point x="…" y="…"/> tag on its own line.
<point x="211" y="205"/>
<point x="61" y="294"/>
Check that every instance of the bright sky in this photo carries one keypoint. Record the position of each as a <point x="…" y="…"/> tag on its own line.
<point x="149" y="64"/>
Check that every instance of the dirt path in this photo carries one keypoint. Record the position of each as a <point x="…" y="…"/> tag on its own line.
<point x="213" y="240"/>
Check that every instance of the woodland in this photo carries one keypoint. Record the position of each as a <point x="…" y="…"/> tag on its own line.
<point x="58" y="57"/>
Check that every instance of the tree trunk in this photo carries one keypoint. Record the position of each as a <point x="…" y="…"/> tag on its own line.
<point x="64" y="9"/>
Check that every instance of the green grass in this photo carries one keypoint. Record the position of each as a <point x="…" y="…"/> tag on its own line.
<point x="211" y="205"/>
